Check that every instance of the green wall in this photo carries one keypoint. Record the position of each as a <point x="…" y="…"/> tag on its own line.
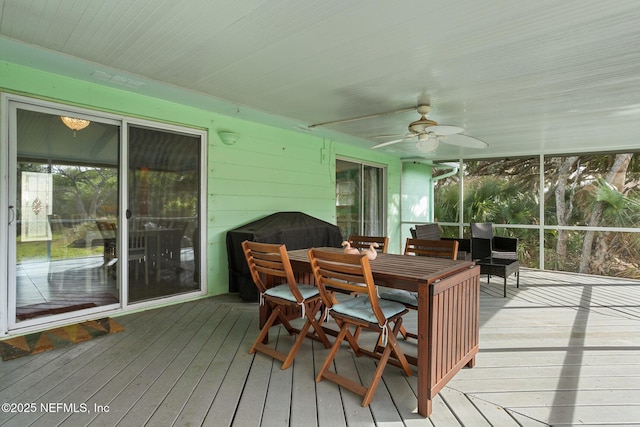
<point x="267" y="170"/>
<point x="417" y="195"/>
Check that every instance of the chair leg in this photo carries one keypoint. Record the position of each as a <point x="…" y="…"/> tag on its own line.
<point x="264" y="331"/>
<point x="352" y="339"/>
<point x="261" y="345"/>
<point x="296" y="345"/>
<point x="397" y="351"/>
<point x="367" y="393"/>
<point x="404" y="333"/>
<point x="399" y="358"/>
<point x="412" y="335"/>
<point x="318" y="332"/>
<point x="310" y="313"/>
<point x="373" y="385"/>
<point x="344" y="329"/>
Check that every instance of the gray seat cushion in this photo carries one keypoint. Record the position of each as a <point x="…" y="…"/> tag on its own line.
<point x="360" y="308"/>
<point x="284" y="292"/>
<point x="403" y="297"/>
<point x="504" y="255"/>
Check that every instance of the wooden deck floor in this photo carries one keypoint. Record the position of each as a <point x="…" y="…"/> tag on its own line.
<point x="563" y="349"/>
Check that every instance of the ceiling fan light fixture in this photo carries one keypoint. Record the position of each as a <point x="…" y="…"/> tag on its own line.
<point x="430" y="134"/>
<point x="421" y="125"/>
<point x="427" y="145"/>
<point x="74" y="124"/>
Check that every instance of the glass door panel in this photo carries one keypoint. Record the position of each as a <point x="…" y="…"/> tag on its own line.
<point x="360" y="199"/>
<point x="163" y="205"/>
<point x="348" y="198"/>
<point x="63" y="182"/>
<point x="373" y="198"/>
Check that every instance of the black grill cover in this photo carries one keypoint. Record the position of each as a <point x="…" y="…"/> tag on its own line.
<point x="295" y="229"/>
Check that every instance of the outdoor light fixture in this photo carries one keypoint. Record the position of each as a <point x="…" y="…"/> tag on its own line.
<point x="427" y="144"/>
<point x="228" y="138"/>
<point x="74" y="123"/>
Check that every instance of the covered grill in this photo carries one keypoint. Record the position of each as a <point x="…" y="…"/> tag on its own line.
<point x="295" y="229"/>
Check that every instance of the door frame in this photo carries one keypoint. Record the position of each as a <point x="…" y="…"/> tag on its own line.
<point x="8" y="104"/>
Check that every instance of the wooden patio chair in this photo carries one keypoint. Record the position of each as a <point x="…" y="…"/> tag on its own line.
<point x="139" y="253"/>
<point x="108" y="231"/>
<point x="352" y="274"/>
<point x="269" y="263"/>
<point x="364" y="242"/>
<point x="418" y="247"/>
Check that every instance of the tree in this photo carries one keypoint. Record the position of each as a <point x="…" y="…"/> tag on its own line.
<point x="564" y="201"/>
<point x="589" y="190"/>
<point x="83" y="190"/>
<point x="615" y="177"/>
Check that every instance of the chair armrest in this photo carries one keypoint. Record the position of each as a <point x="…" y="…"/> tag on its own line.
<point x="507" y="244"/>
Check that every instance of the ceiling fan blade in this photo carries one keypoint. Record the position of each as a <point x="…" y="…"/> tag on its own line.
<point x="444" y="129"/>
<point x="392" y="135"/>
<point x="384" y="144"/>
<point x="464" y="141"/>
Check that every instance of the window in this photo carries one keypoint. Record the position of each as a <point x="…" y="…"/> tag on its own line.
<point x="360" y="199"/>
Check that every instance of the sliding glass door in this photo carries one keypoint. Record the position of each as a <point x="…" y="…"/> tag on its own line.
<point x="64" y="178"/>
<point x="360" y="199"/>
<point x="162" y="212"/>
<point x="103" y="213"/>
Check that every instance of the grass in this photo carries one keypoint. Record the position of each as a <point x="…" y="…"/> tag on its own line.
<point x="58" y="247"/>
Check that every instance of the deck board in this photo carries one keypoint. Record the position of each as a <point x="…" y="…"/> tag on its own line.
<point x="562" y="349"/>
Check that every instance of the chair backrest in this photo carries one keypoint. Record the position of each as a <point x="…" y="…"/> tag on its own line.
<point x="364" y="242"/>
<point x="346" y="273"/>
<point x="432" y="248"/>
<point x="137" y="241"/>
<point x="428" y="231"/>
<point x="267" y="261"/>
<point x="107" y="229"/>
<point x="482" y="230"/>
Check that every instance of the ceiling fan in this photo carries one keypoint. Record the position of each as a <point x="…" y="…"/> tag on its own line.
<point x="429" y="134"/>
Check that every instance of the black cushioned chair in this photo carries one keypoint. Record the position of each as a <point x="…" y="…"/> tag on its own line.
<point x="484" y="244"/>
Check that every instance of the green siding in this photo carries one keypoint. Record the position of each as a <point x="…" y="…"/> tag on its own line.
<point x="267" y="170"/>
<point x="416" y="195"/>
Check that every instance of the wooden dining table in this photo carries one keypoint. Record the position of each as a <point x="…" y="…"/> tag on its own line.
<point x="448" y="312"/>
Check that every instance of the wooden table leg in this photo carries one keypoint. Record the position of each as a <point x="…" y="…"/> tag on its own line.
<point x="424" y="402"/>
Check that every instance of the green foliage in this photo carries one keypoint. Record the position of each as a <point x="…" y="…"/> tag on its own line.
<point x="507" y="192"/>
<point x="183" y="205"/>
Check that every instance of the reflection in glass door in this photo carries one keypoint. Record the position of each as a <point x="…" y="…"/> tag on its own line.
<point x="64" y="181"/>
<point x="162" y="213"/>
<point x="360" y="199"/>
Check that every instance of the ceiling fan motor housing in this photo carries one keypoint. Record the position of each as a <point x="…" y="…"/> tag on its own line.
<point x="420" y="125"/>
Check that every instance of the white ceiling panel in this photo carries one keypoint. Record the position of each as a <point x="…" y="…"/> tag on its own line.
<point x="525" y="77"/>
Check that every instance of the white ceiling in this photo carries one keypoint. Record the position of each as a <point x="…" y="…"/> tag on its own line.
<point x="527" y="77"/>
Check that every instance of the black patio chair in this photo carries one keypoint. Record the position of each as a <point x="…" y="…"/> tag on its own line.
<point x="485" y="245"/>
